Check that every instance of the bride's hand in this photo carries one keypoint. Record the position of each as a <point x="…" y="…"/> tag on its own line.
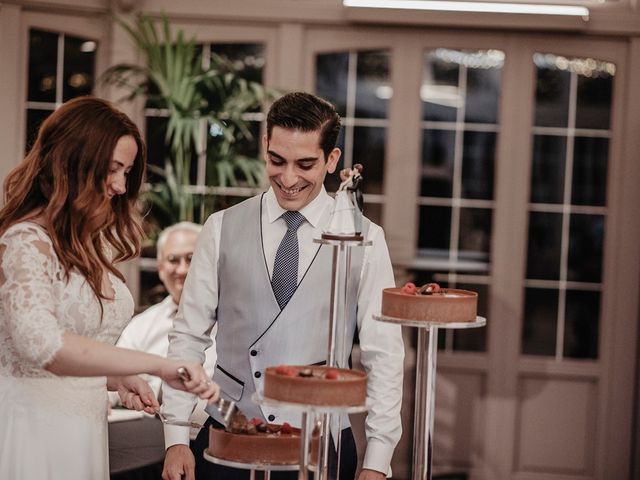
<point x="195" y="381"/>
<point x="135" y="394"/>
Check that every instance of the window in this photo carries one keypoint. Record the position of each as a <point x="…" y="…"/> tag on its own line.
<point x="567" y="210"/>
<point x="357" y="83"/>
<point x="61" y="67"/>
<point x="460" y="97"/>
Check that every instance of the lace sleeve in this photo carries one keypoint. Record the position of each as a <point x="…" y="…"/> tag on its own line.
<point x="27" y="282"/>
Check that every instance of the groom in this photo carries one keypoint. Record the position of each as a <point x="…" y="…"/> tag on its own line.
<point x="232" y="282"/>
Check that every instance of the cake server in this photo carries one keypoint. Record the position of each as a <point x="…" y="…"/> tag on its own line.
<point x="228" y="409"/>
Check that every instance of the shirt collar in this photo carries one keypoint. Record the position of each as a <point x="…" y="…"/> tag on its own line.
<point x="312" y="212"/>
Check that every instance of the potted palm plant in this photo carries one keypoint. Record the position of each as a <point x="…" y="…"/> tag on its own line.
<point x="198" y="97"/>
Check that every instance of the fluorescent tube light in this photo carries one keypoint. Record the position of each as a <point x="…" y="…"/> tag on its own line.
<point x="472" y="6"/>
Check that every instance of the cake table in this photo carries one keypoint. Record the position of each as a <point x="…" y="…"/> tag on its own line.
<point x="426" y="386"/>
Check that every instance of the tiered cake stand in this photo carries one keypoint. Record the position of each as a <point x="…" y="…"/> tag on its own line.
<point x="426" y="386"/>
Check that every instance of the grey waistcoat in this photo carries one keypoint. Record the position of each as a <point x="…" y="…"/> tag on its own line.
<point x="253" y="333"/>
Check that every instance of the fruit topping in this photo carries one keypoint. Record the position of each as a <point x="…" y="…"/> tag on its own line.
<point x="286" y="370"/>
<point x="331" y="374"/>
<point x="286" y="429"/>
<point x="261" y="427"/>
<point x="306" y="372"/>
<point x="409" y="288"/>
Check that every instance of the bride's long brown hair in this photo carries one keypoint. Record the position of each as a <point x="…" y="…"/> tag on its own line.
<point x="63" y="180"/>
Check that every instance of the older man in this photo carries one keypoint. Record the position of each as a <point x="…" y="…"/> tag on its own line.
<point x="149" y="330"/>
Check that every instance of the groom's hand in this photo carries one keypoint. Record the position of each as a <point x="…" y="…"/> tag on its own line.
<point x="179" y="463"/>
<point x="136" y="394"/>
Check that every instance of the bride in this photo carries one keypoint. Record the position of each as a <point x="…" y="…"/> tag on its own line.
<point x="69" y="216"/>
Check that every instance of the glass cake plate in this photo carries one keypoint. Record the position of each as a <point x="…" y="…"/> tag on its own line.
<point x="479" y="322"/>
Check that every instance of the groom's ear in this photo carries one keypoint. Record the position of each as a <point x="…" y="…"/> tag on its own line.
<point x="332" y="160"/>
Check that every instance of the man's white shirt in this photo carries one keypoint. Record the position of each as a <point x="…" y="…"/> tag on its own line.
<point x="382" y="351"/>
<point x="149" y="332"/>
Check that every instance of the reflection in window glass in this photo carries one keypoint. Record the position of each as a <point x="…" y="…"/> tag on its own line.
<point x="438" y="148"/>
<point x="568" y="200"/>
<point x="435" y="228"/>
<point x="540" y="322"/>
<point x="589" y="180"/>
<point x="547" y="171"/>
<point x="373" y="90"/>
<point x="332" y="72"/>
<point x="478" y="156"/>
<point x="439" y="93"/>
<point x="543" y="259"/>
<point x="593" y="106"/>
<point x="552" y="92"/>
<point x="79" y="65"/>
<point x="582" y="319"/>
<point x="586" y="233"/>
<point x="34" y="120"/>
<point x="43" y="58"/>
<point x="475" y="234"/>
<point x="483" y="90"/>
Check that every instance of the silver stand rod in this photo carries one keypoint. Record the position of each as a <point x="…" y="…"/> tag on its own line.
<point x="425" y="402"/>
<point x="305" y="438"/>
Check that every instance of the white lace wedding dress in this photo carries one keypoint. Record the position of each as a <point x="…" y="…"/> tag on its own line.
<point x="51" y="427"/>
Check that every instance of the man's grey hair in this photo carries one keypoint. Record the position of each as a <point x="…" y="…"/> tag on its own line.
<point x="176" y="227"/>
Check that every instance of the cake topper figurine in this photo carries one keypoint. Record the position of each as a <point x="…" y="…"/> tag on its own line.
<point x="346" y="220"/>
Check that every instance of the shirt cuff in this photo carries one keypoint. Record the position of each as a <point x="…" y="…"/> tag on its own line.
<point x="378" y="457"/>
<point x="175" y="435"/>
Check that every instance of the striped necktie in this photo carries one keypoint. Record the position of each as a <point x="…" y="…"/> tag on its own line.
<point x="285" y="268"/>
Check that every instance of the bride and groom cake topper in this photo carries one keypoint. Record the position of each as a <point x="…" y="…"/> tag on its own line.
<point x="346" y="219"/>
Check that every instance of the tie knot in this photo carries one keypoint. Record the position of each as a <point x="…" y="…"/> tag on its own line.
<point x="294" y="219"/>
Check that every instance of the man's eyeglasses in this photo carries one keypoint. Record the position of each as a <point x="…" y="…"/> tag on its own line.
<point x="175" y="260"/>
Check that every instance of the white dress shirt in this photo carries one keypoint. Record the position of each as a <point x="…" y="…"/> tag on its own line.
<point x="149" y="332"/>
<point x="381" y="343"/>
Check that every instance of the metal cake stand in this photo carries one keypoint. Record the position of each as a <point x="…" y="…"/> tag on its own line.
<point x="426" y="386"/>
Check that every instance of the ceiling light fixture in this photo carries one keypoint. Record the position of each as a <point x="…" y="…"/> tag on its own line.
<point x="472" y="6"/>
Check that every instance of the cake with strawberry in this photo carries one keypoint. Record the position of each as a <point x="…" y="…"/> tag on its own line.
<point x="322" y="386"/>
<point x="257" y="442"/>
<point x="429" y="303"/>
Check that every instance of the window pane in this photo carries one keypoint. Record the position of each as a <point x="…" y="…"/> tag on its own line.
<point x="552" y="91"/>
<point x="586" y="238"/>
<point x="540" y="320"/>
<point x="373" y="90"/>
<point x="332" y="71"/>
<point x="34" y="120"/>
<point x="438" y="147"/>
<point x="439" y="92"/>
<point x="368" y="149"/>
<point x="547" y="171"/>
<point x="157" y="150"/>
<point x="435" y="228"/>
<point x="581" y="325"/>
<point x="246" y="59"/>
<point x="543" y="259"/>
<point x="477" y="165"/>
<point x="593" y="108"/>
<point x="475" y="234"/>
<point x="483" y="90"/>
<point x="332" y="180"/>
<point x="589" y="186"/>
<point x="79" y="66"/>
<point x="43" y="57"/>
